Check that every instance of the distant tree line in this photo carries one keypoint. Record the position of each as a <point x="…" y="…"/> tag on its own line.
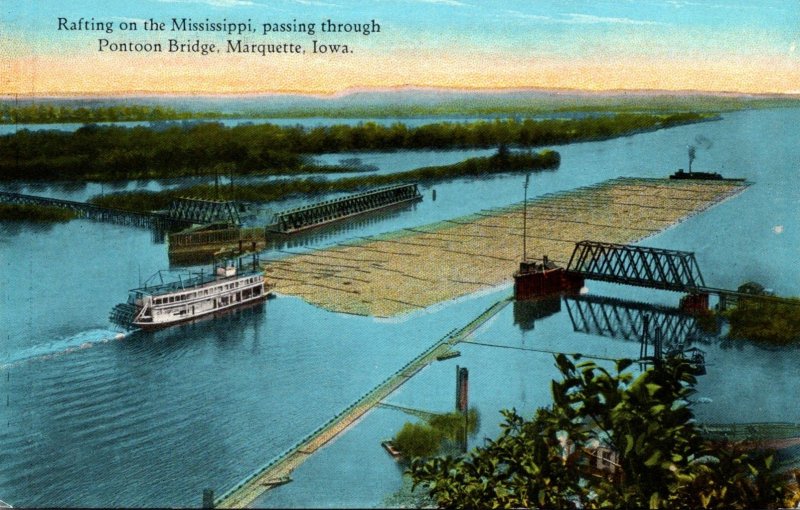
<point x="46" y="112"/>
<point x="116" y="153"/>
<point x="49" y="113"/>
<point x="501" y="162"/>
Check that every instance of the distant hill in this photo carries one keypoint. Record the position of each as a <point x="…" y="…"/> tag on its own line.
<point x="414" y="101"/>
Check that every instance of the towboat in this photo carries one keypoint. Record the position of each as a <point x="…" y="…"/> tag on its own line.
<point x="189" y="296"/>
<point x="708" y="176"/>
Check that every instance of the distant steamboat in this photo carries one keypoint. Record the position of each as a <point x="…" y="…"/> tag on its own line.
<point x="199" y="294"/>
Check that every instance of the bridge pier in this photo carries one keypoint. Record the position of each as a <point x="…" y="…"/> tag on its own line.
<point x="462" y="389"/>
<point x="462" y="401"/>
<point x="696" y="302"/>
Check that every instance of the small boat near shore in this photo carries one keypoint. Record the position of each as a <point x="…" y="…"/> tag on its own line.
<point x="198" y="294"/>
<point x="388" y="445"/>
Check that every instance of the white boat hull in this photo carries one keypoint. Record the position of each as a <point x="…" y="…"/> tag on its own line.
<point x="150" y="326"/>
<point x="167" y="304"/>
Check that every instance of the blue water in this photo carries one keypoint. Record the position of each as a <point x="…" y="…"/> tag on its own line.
<point x="94" y="419"/>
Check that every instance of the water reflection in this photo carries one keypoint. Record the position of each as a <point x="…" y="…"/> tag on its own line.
<point x="526" y="313"/>
<point x="225" y="328"/>
<point x="633" y="320"/>
<point x="15" y="228"/>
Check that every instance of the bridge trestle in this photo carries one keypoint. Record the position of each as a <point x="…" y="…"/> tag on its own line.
<point x="313" y="215"/>
<point x="203" y="212"/>
<point x="158" y="222"/>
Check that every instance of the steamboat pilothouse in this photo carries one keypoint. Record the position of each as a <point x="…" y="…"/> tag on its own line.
<point x="191" y="296"/>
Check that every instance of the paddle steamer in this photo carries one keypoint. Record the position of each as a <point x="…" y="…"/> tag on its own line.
<point x="190" y="296"/>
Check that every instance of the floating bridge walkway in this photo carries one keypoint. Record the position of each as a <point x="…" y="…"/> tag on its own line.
<point x="419" y="413"/>
<point x="99" y="213"/>
<point x="278" y="470"/>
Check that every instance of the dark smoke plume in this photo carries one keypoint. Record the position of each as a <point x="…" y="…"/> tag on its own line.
<point x="703" y="142"/>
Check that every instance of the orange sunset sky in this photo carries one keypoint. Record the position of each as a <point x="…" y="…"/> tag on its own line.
<point x="54" y="48"/>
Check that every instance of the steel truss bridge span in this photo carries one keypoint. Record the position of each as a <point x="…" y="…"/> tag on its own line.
<point x="637" y="265"/>
<point x="321" y="213"/>
<point x="202" y="212"/>
<point x="655" y="268"/>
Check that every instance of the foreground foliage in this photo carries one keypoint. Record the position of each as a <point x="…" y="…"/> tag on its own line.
<point x="662" y="462"/>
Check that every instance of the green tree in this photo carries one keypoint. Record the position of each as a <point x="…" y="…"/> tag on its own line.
<point x="451" y="425"/>
<point x="661" y="459"/>
<point x="418" y="440"/>
<point x="764" y="321"/>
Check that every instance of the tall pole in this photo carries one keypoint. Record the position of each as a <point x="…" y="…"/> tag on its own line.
<point x="16" y="126"/>
<point x="525" y="220"/>
<point x="462" y="401"/>
<point x="231" y="183"/>
<point x="644" y="340"/>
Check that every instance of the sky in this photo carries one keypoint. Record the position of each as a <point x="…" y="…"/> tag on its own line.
<point x="46" y="47"/>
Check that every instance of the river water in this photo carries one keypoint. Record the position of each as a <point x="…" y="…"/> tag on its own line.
<point x="91" y="417"/>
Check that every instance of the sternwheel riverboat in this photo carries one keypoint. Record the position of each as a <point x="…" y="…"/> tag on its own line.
<point x="190" y="296"/>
